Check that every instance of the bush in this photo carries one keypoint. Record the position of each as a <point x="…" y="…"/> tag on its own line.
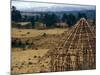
<point x="30" y="63"/>
<point x="35" y="56"/>
<point x="29" y="25"/>
<point x="18" y="25"/>
<point x="28" y="32"/>
<point x="44" y="34"/>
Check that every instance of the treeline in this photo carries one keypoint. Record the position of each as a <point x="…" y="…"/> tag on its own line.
<point x="50" y="19"/>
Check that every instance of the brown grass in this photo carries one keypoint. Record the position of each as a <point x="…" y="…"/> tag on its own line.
<point x="34" y="32"/>
<point x="26" y="61"/>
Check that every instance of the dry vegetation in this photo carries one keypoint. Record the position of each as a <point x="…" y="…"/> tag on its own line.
<point x="20" y="33"/>
<point x="26" y="60"/>
<point x="42" y="44"/>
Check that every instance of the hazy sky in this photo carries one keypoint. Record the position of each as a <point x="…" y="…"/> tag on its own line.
<point x="21" y="5"/>
<point x="26" y="5"/>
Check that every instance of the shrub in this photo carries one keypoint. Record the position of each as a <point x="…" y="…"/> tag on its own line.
<point x="35" y="56"/>
<point x="18" y="25"/>
<point x="30" y="63"/>
<point x="28" y="32"/>
<point x="44" y="34"/>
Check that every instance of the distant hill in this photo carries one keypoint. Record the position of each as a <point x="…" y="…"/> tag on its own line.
<point x="33" y="8"/>
<point x="57" y="8"/>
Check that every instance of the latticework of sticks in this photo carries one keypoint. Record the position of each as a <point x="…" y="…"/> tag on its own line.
<point x="76" y="50"/>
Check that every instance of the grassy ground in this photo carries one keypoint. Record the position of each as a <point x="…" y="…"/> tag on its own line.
<point x="27" y="61"/>
<point x="34" y="32"/>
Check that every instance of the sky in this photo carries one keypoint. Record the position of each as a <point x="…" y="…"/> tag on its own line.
<point x="25" y="5"/>
<point x="29" y="4"/>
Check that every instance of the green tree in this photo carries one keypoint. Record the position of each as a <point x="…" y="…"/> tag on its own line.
<point x="15" y="14"/>
<point x="70" y="19"/>
<point x="81" y="15"/>
<point x="50" y="19"/>
<point x="32" y="20"/>
<point x="64" y="17"/>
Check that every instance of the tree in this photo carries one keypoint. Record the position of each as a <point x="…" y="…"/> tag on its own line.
<point x="70" y="19"/>
<point x="54" y="19"/>
<point x="64" y="17"/>
<point x="50" y="19"/>
<point x="46" y="20"/>
<point x="25" y="18"/>
<point x="81" y="15"/>
<point x="15" y="14"/>
<point x="13" y="8"/>
<point x="32" y="20"/>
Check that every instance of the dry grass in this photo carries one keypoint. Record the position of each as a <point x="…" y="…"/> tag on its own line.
<point x="34" y="32"/>
<point x="26" y="61"/>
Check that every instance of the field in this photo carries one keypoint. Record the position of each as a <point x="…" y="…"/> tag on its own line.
<point x="34" y="32"/>
<point x="51" y="50"/>
<point x="52" y="38"/>
<point x="26" y="61"/>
